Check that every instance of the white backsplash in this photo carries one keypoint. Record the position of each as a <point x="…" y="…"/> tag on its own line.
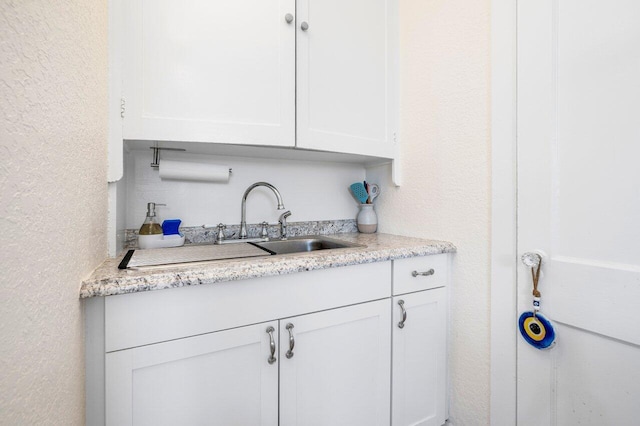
<point x="311" y="190"/>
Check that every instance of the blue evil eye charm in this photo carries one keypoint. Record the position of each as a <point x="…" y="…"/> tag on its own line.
<point x="536" y="330"/>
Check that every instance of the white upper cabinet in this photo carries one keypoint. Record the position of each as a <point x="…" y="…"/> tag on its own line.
<point x="246" y="72"/>
<point x="347" y="79"/>
<point x="209" y="71"/>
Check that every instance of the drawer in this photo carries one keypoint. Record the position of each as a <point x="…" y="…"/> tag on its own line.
<point x="404" y="270"/>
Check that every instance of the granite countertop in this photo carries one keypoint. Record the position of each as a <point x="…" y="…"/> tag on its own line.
<point x="108" y="280"/>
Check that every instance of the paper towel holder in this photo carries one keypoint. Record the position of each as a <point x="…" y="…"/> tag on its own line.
<point x="156" y="156"/>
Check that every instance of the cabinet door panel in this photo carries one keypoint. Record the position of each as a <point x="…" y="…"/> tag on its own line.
<point x="210" y="71"/>
<point x="346" y="76"/>
<point x="419" y="359"/>
<point x="340" y="370"/>
<point x="218" y="378"/>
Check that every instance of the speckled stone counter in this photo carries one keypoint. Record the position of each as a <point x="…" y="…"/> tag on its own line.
<point x="108" y="280"/>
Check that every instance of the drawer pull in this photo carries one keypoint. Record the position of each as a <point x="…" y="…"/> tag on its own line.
<point x="423" y="274"/>
<point x="292" y="342"/>
<point x="272" y="345"/>
<point x="404" y="314"/>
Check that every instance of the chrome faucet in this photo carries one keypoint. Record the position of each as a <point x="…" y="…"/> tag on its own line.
<point x="243" y="219"/>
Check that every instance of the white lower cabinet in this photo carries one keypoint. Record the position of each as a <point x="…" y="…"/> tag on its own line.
<point x="202" y="355"/>
<point x="221" y="378"/>
<point x="419" y="358"/>
<point x="335" y="367"/>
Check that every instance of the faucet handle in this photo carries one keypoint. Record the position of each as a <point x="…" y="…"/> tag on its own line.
<point x="264" y="233"/>
<point x="284" y="216"/>
<point x="220" y="235"/>
<point x="283" y="224"/>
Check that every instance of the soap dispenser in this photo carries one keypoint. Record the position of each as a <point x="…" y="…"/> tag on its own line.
<point x="153" y="235"/>
<point x="150" y="234"/>
<point x="151" y="225"/>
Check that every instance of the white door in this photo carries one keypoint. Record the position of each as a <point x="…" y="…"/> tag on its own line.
<point x="419" y="358"/>
<point x="209" y="71"/>
<point x="346" y="80"/>
<point x="338" y="372"/>
<point x="223" y="378"/>
<point x="579" y="202"/>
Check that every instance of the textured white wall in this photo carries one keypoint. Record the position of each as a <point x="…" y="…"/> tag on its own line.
<point x="445" y="133"/>
<point x="53" y="121"/>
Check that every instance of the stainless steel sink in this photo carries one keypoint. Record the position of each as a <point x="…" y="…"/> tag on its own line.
<point x="304" y="244"/>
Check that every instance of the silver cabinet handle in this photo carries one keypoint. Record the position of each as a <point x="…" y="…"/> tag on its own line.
<point x="289" y="18"/>
<point x="404" y="314"/>
<point x="292" y="342"/>
<point x="304" y="26"/>
<point x="423" y="274"/>
<point x="272" y="344"/>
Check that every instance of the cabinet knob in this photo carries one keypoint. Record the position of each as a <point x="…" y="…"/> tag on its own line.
<point x="289" y="18"/>
<point x="304" y="26"/>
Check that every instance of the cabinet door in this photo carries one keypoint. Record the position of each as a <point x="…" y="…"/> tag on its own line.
<point x="209" y="71"/>
<point x="419" y="359"/>
<point x="219" y="378"/>
<point x="339" y="371"/>
<point x="346" y="93"/>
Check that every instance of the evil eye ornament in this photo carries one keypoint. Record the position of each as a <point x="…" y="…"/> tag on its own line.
<point x="537" y="330"/>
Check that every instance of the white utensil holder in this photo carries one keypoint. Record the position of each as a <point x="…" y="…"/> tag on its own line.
<point x="367" y="219"/>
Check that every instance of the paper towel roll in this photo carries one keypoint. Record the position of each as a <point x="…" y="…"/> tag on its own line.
<point x="199" y="172"/>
